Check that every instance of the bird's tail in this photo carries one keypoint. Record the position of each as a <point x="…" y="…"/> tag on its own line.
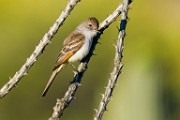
<point x="51" y="79"/>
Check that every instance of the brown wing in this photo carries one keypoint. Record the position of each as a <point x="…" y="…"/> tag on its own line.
<point x="71" y="37"/>
<point x="71" y="46"/>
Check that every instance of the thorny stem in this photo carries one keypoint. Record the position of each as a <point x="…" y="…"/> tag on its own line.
<point x="106" y="97"/>
<point x="38" y="50"/>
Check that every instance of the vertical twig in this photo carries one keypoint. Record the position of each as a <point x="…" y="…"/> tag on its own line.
<point x="38" y="50"/>
<point x="62" y="103"/>
<point x="117" y="64"/>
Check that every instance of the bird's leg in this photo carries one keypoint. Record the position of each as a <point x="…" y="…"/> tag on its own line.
<point x="74" y="69"/>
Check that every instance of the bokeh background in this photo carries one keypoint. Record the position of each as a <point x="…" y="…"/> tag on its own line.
<point x="148" y="88"/>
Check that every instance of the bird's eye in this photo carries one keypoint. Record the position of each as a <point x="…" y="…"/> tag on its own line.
<point x="90" y="25"/>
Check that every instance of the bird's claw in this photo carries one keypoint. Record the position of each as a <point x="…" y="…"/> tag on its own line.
<point x="75" y="72"/>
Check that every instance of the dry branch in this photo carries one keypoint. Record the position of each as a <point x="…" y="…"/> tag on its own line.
<point x="38" y="50"/>
<point x="62" y="103"/>
<point x="117" y="64"/>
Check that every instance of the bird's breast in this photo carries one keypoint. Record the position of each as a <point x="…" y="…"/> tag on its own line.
<point x="82" y="52"/>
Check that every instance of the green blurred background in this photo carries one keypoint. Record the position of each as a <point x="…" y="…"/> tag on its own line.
<point x="148" y="88"/>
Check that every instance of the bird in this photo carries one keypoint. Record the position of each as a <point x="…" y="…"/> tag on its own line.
<point x="75" y="47"/>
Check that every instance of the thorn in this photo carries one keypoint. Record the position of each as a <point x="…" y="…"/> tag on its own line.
<point x="111" y="74"/>
<point x="123" y="47"/>
<point x="111" y="98"/>
<point x="128" y="19"/>
<point x="95" y="110"/>
<point x="102" y="32"/>
<point x="102" y="95"/>
<point x="98" y="43"/>
<point x="27" y="59"/>
<point x="25" y="73"/>
<point x="79" y="84"/>
<point x="114" y="45"/>
<point x="58" y="100"/>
